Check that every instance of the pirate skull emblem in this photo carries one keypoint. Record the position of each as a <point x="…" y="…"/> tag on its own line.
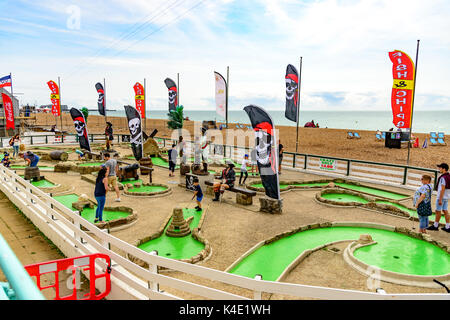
<point x="79" y="127"/>
<point x="291" y="86"/>
<point x="100" y="97"/>
<point x="263" y="147"/>
<point x="134" y="125"/>
<point x="172" y="96"/>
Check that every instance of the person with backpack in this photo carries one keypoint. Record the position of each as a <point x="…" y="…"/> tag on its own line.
<point x="422" y="202"/>
<point x="100" y="191"/>
<point x="15" y="143"/>
<point x="172" y="160"/>
<point x="443" y="194"/>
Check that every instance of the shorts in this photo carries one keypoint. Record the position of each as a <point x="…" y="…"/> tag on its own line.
<point x="200" y="198"/>
<point x="444" y="205"/>
<point x="423" y="222"/>
<point x="112" y="181"/>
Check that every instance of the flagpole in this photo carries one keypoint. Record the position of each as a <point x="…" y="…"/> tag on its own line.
<point x="12" y="99"/>
<point x="298" y="103"/>
<point x="60" y="106"/>
<point x="104" y="98"/>
<point x="226" y="98"/>
<point x="412" y="104"/>
<point x="145" y="106"/>
<point x="178" y="90"/>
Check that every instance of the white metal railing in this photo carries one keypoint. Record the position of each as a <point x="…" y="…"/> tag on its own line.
<point x="130" y="281"/>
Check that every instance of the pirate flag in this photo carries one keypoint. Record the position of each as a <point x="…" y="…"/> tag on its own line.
<point x="291" y="79"/>
<point x="266" y="149"/>
<point x="173" y="93"/>
<point x="134" y="124"/>
<point x="101" y="98"/>
<point x="80" y="127"/>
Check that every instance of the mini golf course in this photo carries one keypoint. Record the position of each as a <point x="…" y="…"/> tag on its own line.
<point x="23" y="167"/>
<point x="89" y="213"/>
<point x="44" y="183"/>
<point x="177" y="248"/>
<point x="90" y="164"/>
<point x="148" y="189"/>
<point x="343" y="197"/>
<point x="393" y="252"/>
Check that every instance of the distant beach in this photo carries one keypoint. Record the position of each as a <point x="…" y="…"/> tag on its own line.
<point x="423" y="121"/>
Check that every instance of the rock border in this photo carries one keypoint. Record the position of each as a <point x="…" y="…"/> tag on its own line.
<point x="195" y="233"/>
<point x="166" y="192"/>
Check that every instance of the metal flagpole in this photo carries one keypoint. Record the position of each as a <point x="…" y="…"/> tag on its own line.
<point x="145" y="107"/>
<point x="412" y="104"/>
<point x="60" y="106"/>
<point x="12" y="99"/>
<point x="226" y="98"/>
<point x="178" y="90"/>
<point x="298" y="102"/>
<point x="104" y="99"/>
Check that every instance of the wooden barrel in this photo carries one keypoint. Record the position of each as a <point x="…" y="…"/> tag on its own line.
<point x="59" y="155"/>
<point x="145" y="162"/>
<point x="31" y="173"/>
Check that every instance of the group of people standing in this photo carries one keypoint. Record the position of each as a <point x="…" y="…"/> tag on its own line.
<point x="422" y="200"/>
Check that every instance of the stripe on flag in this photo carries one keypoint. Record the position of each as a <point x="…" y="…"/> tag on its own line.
<point x="5" y="81"/>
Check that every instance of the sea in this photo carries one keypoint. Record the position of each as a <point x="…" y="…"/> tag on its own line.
<point x="423" y="121"/>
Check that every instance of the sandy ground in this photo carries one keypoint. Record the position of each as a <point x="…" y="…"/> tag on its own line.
<point x="232" y="229"/>
<point x="316" y="141"/>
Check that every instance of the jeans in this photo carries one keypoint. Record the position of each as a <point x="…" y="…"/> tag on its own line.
<point x="16" y="150"/>
<point x="100" y="205"/>
<point x="423" y="222"/>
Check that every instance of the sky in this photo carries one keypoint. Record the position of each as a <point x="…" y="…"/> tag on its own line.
<point x="343" y="44"/>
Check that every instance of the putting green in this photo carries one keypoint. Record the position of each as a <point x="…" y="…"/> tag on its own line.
<point x="177" y="248"/>
<point x="342" y="197"/>
<point x="90" y="164"/>
<point x="284" y="186"/>
<point x="393" y="252"/>
<point x="373" y="191"/>
<point x="88" y="213"/>
<point x="132" y="181"/>
<point x="148" y="189"/>
<point x="157" y="161"/>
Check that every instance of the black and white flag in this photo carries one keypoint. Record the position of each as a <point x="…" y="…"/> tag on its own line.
<point x="135" y="126"/>
<point x="291" y="80"/>
<point x="81" y="128"/>
<point x="266" y="149"/>
<point x="173" y="93"/>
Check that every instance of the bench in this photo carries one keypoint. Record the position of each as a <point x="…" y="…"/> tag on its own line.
<point x="243" y="196"/>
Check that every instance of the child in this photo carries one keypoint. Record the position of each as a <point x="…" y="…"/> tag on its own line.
<point x="5" y="161"/>
<point x="422" y="202"/>
<point x="244" y="169"/>
<point x="199" y="193"/>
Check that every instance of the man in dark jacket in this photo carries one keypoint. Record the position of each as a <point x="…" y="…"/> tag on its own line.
<point x="227" y="178"/>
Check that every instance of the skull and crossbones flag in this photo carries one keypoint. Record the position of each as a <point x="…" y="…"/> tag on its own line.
<point x="134" y="124"/>
<point x="80" y="127"/>
<point x="101" y="98"/>
<point x="291" y="79"/>
<point x="173" y="93"/>
<point x="266" y="149"/>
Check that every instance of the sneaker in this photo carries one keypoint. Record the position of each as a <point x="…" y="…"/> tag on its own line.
<point x="432" y="227"/>
<point x="215" y="199"/>
<point x="198" y="209"/>
<point x="117" y="200"/>
<point x="445" y="229"/>
<point x="96" y="220"/>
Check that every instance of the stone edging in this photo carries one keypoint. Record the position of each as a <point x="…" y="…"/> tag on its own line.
<point x="195" y="233"/>
<point x="148" y="194"/>
<point x="387" y="276"/>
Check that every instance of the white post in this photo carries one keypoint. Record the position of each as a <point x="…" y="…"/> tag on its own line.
<point x="153" y="268"/>
<point x="257" y="295"/>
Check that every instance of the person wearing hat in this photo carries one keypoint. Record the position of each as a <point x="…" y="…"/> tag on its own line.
<point x="227" y="178"/>
<point x="109" y="135"/>
<point x="443" y="194"/>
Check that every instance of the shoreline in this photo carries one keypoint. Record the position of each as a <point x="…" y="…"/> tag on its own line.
<point x="316" y="141"/>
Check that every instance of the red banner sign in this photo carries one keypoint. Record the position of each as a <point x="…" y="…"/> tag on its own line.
<point x="140" y="99"/>
<point x="56" y="104"/>
<point x="9" y="111"/>
<point x="402" y="90"/>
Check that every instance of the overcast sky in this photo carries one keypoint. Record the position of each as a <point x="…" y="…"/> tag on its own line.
<point x="344" y="45"/>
